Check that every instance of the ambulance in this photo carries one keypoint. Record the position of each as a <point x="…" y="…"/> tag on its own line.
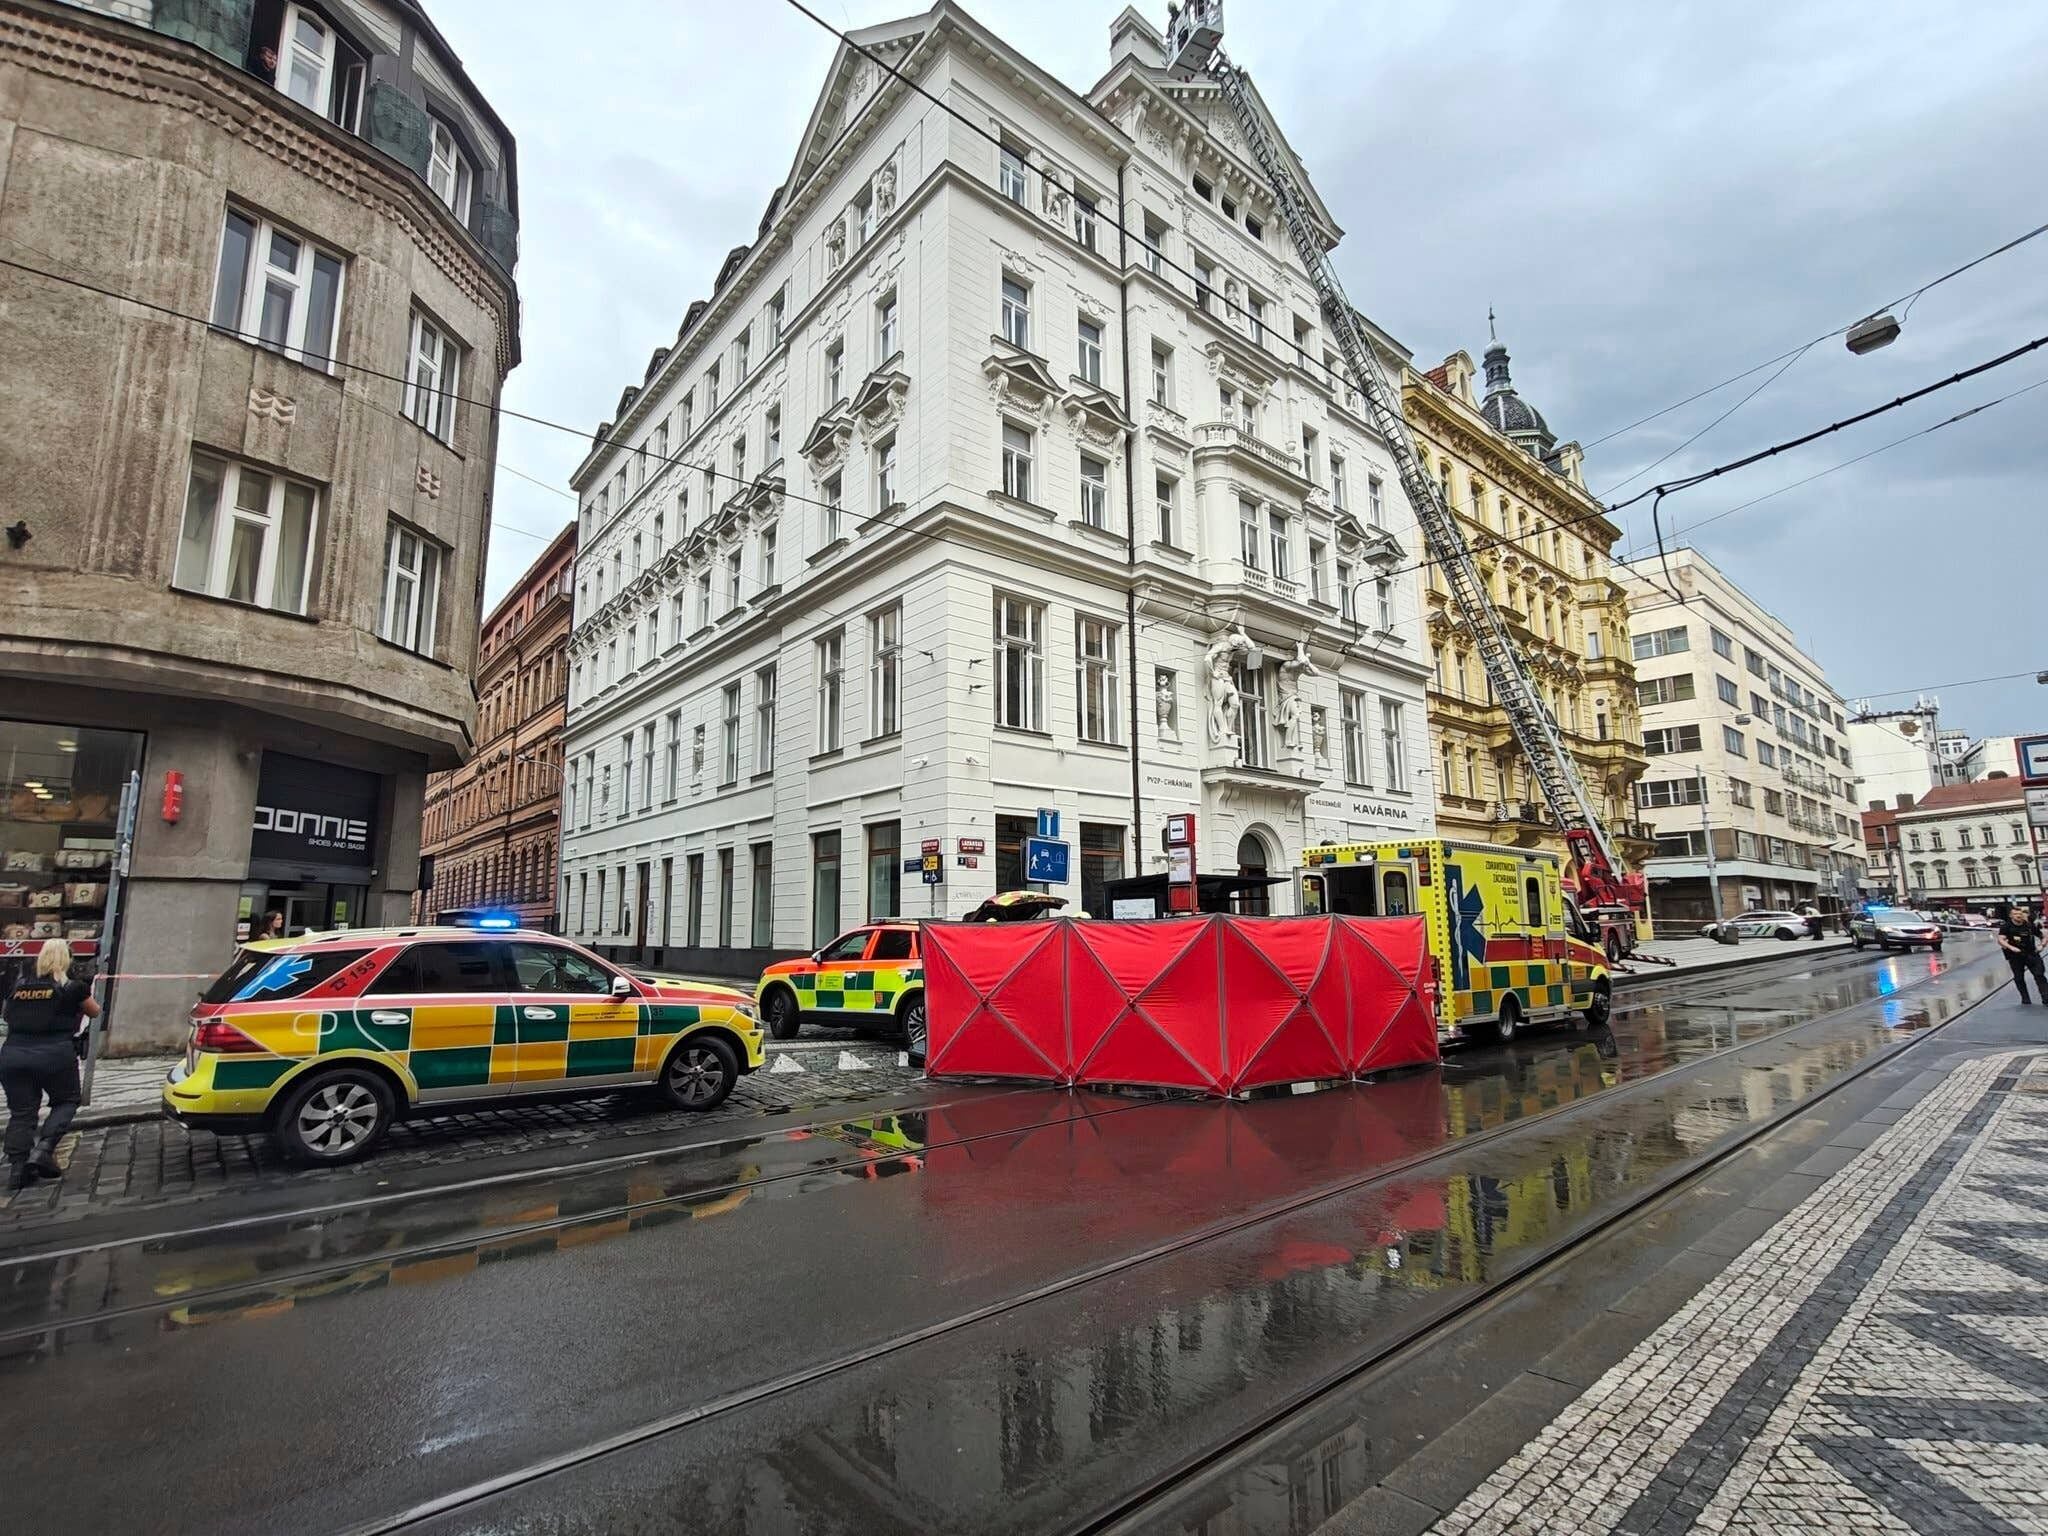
<point x="1512" y="948"/>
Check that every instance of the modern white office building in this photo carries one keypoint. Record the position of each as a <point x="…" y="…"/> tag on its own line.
<point x="953" y="503"/>
<point x="1748" y="748"/>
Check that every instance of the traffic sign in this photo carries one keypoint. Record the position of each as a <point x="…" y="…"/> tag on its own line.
<point x="1045" y="861"/>
<point x="1048" y="822"/>
<point x="934" y="868"/>
<point x="2031" y="750"/>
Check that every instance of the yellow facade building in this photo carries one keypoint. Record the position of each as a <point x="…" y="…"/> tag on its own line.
<point x="1546" y="551"/>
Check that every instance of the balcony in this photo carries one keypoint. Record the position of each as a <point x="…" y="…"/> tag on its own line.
<point x="1228" y="436"/>
<point x="1286" y="590"/>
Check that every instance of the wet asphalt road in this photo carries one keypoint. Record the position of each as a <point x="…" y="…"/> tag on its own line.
<point x="1007" y="1311"/>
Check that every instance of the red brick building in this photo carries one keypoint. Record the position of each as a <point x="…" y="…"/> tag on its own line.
<point x="492" y="828"/>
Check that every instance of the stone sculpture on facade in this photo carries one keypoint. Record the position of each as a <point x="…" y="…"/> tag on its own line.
<point x="1226" y="704"/>
<point x="1288" y="716"/>
<point x="885" y="189"/>
<point x="1166" y="705"/>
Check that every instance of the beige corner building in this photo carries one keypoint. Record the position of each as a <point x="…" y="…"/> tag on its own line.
<point x="256" y="306"/>
<point x="1546" y="552"/>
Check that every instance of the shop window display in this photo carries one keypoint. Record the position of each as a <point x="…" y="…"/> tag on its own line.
<point x="60" y="797"/>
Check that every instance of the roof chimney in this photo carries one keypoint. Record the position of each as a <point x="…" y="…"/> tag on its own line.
<point x="1905" y="802"/>
<point x="1132" y="36"/>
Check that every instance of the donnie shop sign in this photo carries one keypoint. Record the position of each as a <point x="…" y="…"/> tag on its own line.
<point x="313" y="819"/>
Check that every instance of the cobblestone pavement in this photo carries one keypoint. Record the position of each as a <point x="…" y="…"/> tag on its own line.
<point x="152" y="1161"/>
<point x="1876" y="1361"/>
<point x="126" y="1085"/>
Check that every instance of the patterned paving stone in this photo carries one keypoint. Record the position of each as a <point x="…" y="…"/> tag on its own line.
<point x="1876" y="1361"/>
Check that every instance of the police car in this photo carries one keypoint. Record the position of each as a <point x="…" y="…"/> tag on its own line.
<point x="872" y="977"/>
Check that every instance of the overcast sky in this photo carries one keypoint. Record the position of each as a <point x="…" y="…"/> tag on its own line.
<point x="1653" y="198"/>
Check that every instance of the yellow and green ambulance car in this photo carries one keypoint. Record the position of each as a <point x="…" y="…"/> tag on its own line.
<point x="871" y="976"/>
<point x="1510" y="947"/>
<point x="325" y="1039"/>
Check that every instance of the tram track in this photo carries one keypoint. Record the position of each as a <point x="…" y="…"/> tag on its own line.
<point x="656" y="1428"/>
<point x="378" y="1255"/>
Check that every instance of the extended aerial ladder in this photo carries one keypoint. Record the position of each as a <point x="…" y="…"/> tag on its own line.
<point x="1195" y="47"/>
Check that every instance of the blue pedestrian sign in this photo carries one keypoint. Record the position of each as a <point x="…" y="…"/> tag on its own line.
<point x="1045" y="861"/>
<point x="1048" y="822"/>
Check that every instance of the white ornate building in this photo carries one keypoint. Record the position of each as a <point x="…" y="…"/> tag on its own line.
<point x="1002" y="512"/>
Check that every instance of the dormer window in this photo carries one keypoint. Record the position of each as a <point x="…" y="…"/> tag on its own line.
<point x="315" y="66"/>
<point x="448" y="171"/>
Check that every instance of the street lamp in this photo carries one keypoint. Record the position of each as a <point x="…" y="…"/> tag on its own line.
<point x="1872" y="332"/>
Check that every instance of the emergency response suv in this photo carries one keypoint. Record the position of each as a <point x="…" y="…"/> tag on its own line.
<point x="325" y="1039"/>
<point x="1510" y="946"/>
<point x="871" y="977"/>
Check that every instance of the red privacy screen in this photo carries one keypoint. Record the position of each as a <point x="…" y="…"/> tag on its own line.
<point x="1216" y="1004"/>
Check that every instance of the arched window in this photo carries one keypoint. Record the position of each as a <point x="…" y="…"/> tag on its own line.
<point x="1251" y="863"/>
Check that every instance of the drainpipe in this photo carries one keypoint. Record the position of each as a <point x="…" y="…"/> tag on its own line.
<point x="1123" y="304"/>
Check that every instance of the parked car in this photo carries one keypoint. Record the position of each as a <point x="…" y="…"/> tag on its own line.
<point x="1894" y="928"/>
<point x="1761" y="925"/>
<point x="870" y="977"/>
<point x="324" y="1040"/>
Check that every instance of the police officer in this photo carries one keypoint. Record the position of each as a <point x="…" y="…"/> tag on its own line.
<point x="2020" y="937"/>
<point x="46" y="1016"/>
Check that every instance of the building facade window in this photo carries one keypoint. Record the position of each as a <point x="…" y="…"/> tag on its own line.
<point x="885" y="326"/>
<point x="1351" y="725"/>
<point x="672" y="759"/>
<point x="824" y="888"/>
<point x="433" y="378"/>
<point x="1166" y="508"/>
<point x="885" y="686"/>
<point x="885" y="476"/>
<point x="1020" y="663"/>
<point x="1088" y="351"/>
<point x="831" y="518"/>
<point x="448" y="170"/>
<point x="831" y="658"/>
<point x="1102" y="861"/>
<point x="761" y="902"/>
<point x="885" y="870"/>
<point x="412" y="587"/>
<point x="1017" y="313"/>
<point x="1253" y="748"/>
<point x="1010" y="174"/>
<point x="1662" y="642"/>
<point x="248" y="535"/>
<point x="1095" y="678"/>
<point x="278" y="290"/>
<point x="729" y="729"/>
<point x="1248" y="534"/>
<point x="1018" y="454"/>
<point x="1094" y="491"/>
<point x="764" y="721"/>
<point x="1162" y="374"/>
<point x="1392" y="737"/>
